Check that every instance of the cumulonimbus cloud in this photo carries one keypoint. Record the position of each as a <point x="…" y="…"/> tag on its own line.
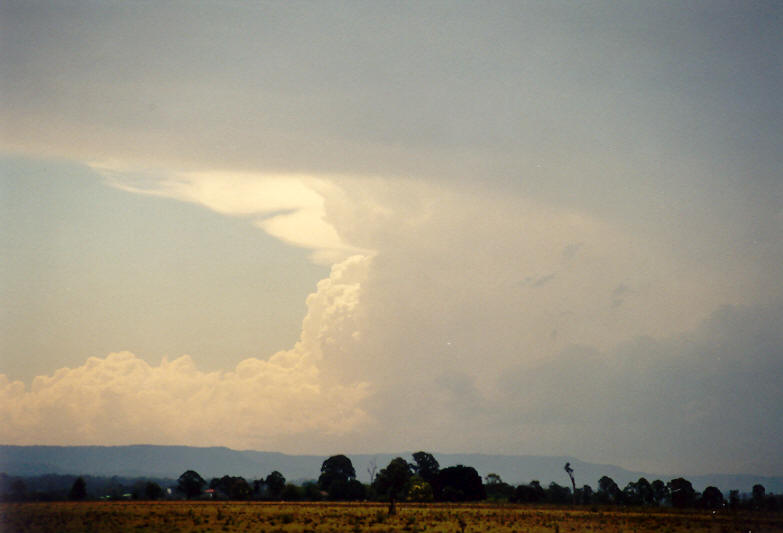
<point x="276" y="403"/>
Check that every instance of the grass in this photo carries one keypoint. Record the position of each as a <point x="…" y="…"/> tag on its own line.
<point x="192" y="517"/>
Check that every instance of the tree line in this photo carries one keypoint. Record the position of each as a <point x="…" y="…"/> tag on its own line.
<point x="419" y="480"/>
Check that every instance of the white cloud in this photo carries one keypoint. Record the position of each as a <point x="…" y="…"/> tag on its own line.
<point x="289" y="207"/>
<point x="280" y="403"/>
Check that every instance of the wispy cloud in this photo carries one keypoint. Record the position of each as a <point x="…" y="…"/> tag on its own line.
<point x="289" y="207"/>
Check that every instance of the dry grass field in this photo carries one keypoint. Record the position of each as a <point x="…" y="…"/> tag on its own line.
<point x="321" y="517"/>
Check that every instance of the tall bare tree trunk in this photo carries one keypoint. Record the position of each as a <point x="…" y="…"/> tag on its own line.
<point x="570" y="472"/>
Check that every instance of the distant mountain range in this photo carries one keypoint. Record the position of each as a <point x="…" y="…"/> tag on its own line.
<point x="171" y="461"/>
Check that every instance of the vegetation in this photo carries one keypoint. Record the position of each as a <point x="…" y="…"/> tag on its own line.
<point x="419" y="481"/>
<point x="274" y="517"/>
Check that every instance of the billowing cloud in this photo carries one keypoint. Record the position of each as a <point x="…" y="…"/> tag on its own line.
<point x="512" y="196"/>
<point x="279" y="403"/>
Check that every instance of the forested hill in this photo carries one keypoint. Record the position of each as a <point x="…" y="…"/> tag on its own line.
<point x="171" y="461"/>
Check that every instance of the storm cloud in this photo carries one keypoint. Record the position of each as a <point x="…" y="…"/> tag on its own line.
<point x="553" y="228"/>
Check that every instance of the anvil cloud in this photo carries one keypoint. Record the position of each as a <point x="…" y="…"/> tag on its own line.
<point x="540" y="227"/>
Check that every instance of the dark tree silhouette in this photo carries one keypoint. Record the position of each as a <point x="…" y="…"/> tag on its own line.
<point x="152" y="491"/>
<point x="638" y="493"/>
<point x="275" y="483"/>
<point x="18" y="490"/>
<point x="426" y="466"/>
<point x="570" y="472"/>
<point x="660" y="493"/>
<point x="759" y="495"/>
<point x="336" y="474"/>
<point x="460" y="483"/>
<point x="556" y="493"/>
<point x="586" y="495"/>
<point x="497" y="489"/>
<point x="232" y="487"/>
<point x="712" y="498"/>
<point x="392" y="480"/>
<point x="682" y="492"/>
<point x="78" y="489"/>
<point x="530" y="493"/>
<point x="608" y="491"/>
<point x="191" y="483"/>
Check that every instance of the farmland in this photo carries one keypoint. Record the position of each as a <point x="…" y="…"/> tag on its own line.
<point x="187" y="517"/>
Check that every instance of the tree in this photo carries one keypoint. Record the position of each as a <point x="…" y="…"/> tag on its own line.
<point x="291" y="492"/>
<point x="660" y="493"/>
<point x="152" y="491"/>
<point x="372" y="469"/>
<point x="191" y="483"/>
<point x="682" y="492"/>
<point x="18" y="490"/>
<point x="78" y="489"/>
<point x="420" y="490"/>
<point x="734" y="499"/>
<point x="608" y="491"/>
<point x="558" y="494"/>
<point x="336" y="471"/>
<point x="586" y="495"/>
<point x="275" y="483"/>
<point x="236" y="487"/>
<point x="530" y="493"/>
<point x="497" y="489"/>
<point x="638" y="493"/>
<point x="311" y="491"/>
<point x="712" y="498"/>
<point x="426" y="466"/>
<point x="392" y="481"/>
<point x="460" y="483"/>
<point x="355" y="490"/>
<point x="759" y="495"/>
<point x="570" y="472"/>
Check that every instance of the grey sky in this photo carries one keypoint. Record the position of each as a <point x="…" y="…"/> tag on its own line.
<point x="526" y="188"/>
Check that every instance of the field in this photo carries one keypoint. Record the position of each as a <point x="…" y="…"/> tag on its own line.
<point x="321" y="517"/>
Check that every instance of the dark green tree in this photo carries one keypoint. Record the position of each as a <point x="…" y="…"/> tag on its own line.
<point x="419" y="490"/>
<point x="585" y="496"/>
<point x="152" y="491"/>
<point x="336" y="472"/>
<point x="559" y="494"/>
<point x="497" y="489"/>
<point x="190" y="483"/>
<point x="682" y="493"/>
<point x="528" y="494"/>
<point x="275" y="483"/>
<point x="311" y="491"/>
<point x="18" y="490"/>
<point x="660" y="493"/>
<point x="291" y="492"/>
<point x="712" y="498"/>
<point x="426" y="466"/>
<point x="78" y="490"/>
<point x="392" y="481"/>
<point x="734" y="499"/>
<point x="638" y="493"/>
<point x="460" y="483"/>
<point x="759" y="495"/>
<point x="608" y="491"/>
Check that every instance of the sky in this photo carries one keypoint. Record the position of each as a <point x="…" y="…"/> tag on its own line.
<point x="346" y="227"/>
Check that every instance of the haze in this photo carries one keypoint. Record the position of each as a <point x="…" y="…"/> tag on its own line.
<point x="338" y="227"/>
